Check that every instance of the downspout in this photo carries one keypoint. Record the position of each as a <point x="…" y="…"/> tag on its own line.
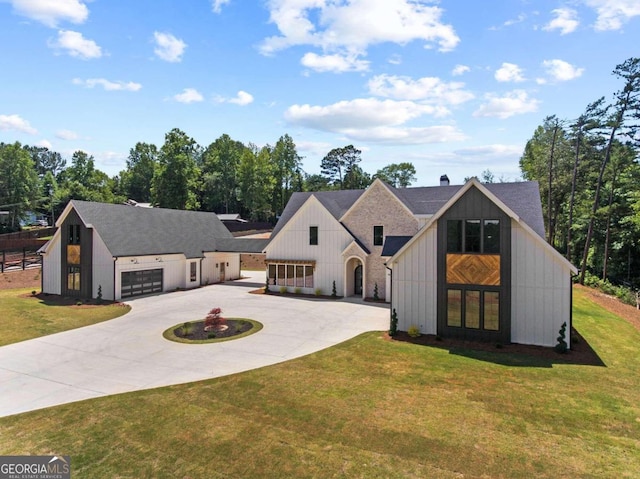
<point x="390" y="294"/>
<point x="570" y="308"/>
<point x="115" y="260"/>
<point x="201" y="260"/>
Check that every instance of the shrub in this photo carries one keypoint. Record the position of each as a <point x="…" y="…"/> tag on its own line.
<point x="283" y="289"/>
<point x="318" y="291"/>
<point x="33" y="293"/>
<point x="562" y="346"/>
<point x="211" y="335"/>
<point x="213" y="320"/>
<point x="266" y="285"/>
<point x="334" y="293"/>
<point x="187" y="329"/>
<point x="297" y="291"/>
<point x="78" y="302"/>
<point x="376" y="295"/>
<point x="393" y="328"/>
<point x="99" y="298"/>
<point x="413" y="331"/>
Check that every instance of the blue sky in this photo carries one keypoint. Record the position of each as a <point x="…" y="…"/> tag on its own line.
<point x="454" y="87"/>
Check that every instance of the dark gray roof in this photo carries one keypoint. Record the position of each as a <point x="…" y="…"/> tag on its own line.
<point x="242" y="245"/>
<point x="392" y="244"/>
<point x="521" y="197"/>
<point x="131" y="231"/>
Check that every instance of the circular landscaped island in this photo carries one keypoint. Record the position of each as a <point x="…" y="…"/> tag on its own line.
<point x="214" y="328"/>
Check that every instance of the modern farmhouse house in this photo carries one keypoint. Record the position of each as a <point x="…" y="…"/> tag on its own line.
<point x="459" y="261"/>
<point x="125" y="251"/>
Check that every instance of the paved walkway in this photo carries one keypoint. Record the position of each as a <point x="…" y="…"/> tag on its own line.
<point x="129" y="353"/>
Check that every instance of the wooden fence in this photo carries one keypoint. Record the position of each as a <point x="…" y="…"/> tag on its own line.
<point x="11" y="260"/>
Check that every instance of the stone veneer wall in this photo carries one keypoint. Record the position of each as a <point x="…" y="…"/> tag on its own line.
<point x="378" y="207"/>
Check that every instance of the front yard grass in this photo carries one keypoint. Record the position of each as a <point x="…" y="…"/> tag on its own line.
<point x="369" y="407"/>
<point x="25" y="317"/>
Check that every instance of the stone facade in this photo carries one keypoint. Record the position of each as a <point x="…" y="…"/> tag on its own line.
<point x="378" y="206"/>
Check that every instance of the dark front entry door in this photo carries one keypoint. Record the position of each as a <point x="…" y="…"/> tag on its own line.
<point x="357" y="280"/>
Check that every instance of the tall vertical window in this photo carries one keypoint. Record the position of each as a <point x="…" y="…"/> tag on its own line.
<point x="313" y="235"/>
<point x="194" y="271"/>
<point x="73" y="278"/>
<point x="454" y="236"/>
<point x="74" y="234"/>
<point x="491" y="236"/>
<point x="472" y="236"/>
<point x="378" y="235"/>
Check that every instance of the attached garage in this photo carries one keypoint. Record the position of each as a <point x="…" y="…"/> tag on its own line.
<point x="137" y="283"/>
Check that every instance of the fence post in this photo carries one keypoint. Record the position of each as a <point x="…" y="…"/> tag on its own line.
<point x="2" y="264"/>
<point x="24" y="258"/>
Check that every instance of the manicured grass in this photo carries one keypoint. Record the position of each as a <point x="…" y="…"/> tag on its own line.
<point x="24" y="317"/>
<point x="369" y="407"/>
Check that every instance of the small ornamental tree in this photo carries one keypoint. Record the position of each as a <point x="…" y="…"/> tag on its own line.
<point x="99" y="298"/>
<point x="266" y="286"/>
<point x="214" y="321"/>
<point x="376" y="295"/>
<point x="562" y="346"/>
<point x="334" y="293"/>
<point x="393" y="328"/>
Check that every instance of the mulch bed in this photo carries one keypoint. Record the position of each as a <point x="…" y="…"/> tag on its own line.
<point x="275" y="292"/>
<point x="581" y="352"/>
<point x="235" y="327"/>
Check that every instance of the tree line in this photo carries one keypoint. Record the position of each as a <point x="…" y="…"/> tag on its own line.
<point x="226" y="176"/>
<point x="589" y="177"/>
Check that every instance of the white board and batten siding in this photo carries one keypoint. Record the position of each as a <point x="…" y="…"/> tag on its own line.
<point x="292" y="243"/>
<point x="51" y="264"/>
<point x="540" y="291"/>
<point x="211" y="267"/>
<point x="102" y="269"/>
<point x="415" y="284"/>
<point x="172" y="265"/>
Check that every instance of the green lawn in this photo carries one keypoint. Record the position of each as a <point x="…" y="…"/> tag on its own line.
<point x="368" y="408"/>
<point x="25" y="317"/>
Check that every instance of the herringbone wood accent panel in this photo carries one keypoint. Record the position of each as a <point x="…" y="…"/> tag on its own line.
<point x="482" y="269"/>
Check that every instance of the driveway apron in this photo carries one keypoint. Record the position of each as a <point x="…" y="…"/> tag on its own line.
<point x="130" y="354"/>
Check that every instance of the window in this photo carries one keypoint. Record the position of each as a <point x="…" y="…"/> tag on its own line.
<point x="491" y="310"/>
<point x="473" y="236"/>
<point x="491" y="236"/>
<point x="313" y="235"/>
<point x="293" y="275"/>
<point x="74" y="234"/>
<point x="472" y="309"/>
<point x="73" y="278"/>
<point x="378" y="235"/>
<point x="454" y="236"/>
<point x="194" y="271"/>
<point x="454" y="307"/>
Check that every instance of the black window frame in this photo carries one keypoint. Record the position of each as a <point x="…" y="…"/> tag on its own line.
<point x="460" y="238"/>
<point x="193" y="273"/>
<point x="313" y="235"/>
<point x="378" y="235"/>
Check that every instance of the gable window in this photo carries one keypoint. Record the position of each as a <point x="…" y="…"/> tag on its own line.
<point x="378" y="235"/>
<point x="194" y="271"/>
<point x="473" y="236"/>
<point x="74" y="234"/>
<point x="313" y="235"/>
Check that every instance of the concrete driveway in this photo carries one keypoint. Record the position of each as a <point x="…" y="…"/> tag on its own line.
<point x="129" y="353"/>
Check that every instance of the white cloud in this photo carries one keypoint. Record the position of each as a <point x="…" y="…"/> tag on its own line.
<point x="44" y="144"/>
<point x="335" y="63"/>
<point x="168" y="47"/>
<point x="189" y="95"/>
<point x="76" y="45"/>
<point x="242" y="98"/>
<point x="50" y="12"/>
<point x="460" y="70"/>
<point x="509" y="72"/>
<point x="357" y="114"/>
<point x="430" y="90"/>
<point x="566" y="20"/>
<point x="612" y="14"/>
<point x="515" y="102"/>
<point x="66" y="135"/>
<point x="216" y="5"/>
<point x="407" y="136"/>
<point x="107" y="84"/>
<point x="349" y="27"/>
<point x="492" y="151"/>
<point x="17" y="123"/>
<point x="395" y="59"/>
<point x="559" y="70"/>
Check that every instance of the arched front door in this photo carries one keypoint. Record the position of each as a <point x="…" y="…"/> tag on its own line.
<point x="357" y="280"/>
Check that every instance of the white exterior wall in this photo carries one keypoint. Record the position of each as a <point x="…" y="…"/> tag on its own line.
<point x="415" y="287"/>
<point x="540" y="291"/>
<point x="172" y="264"/>
<point x="102" y="269"/>
<point x="211" y="274"/>
<point x="51" y="264"/>
<point x="292" y="243"/>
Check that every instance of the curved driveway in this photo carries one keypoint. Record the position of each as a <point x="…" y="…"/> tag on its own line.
<point x="129" y="353"/>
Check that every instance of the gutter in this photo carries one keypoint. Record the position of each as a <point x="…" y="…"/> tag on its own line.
<point x="115" y="260"/>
